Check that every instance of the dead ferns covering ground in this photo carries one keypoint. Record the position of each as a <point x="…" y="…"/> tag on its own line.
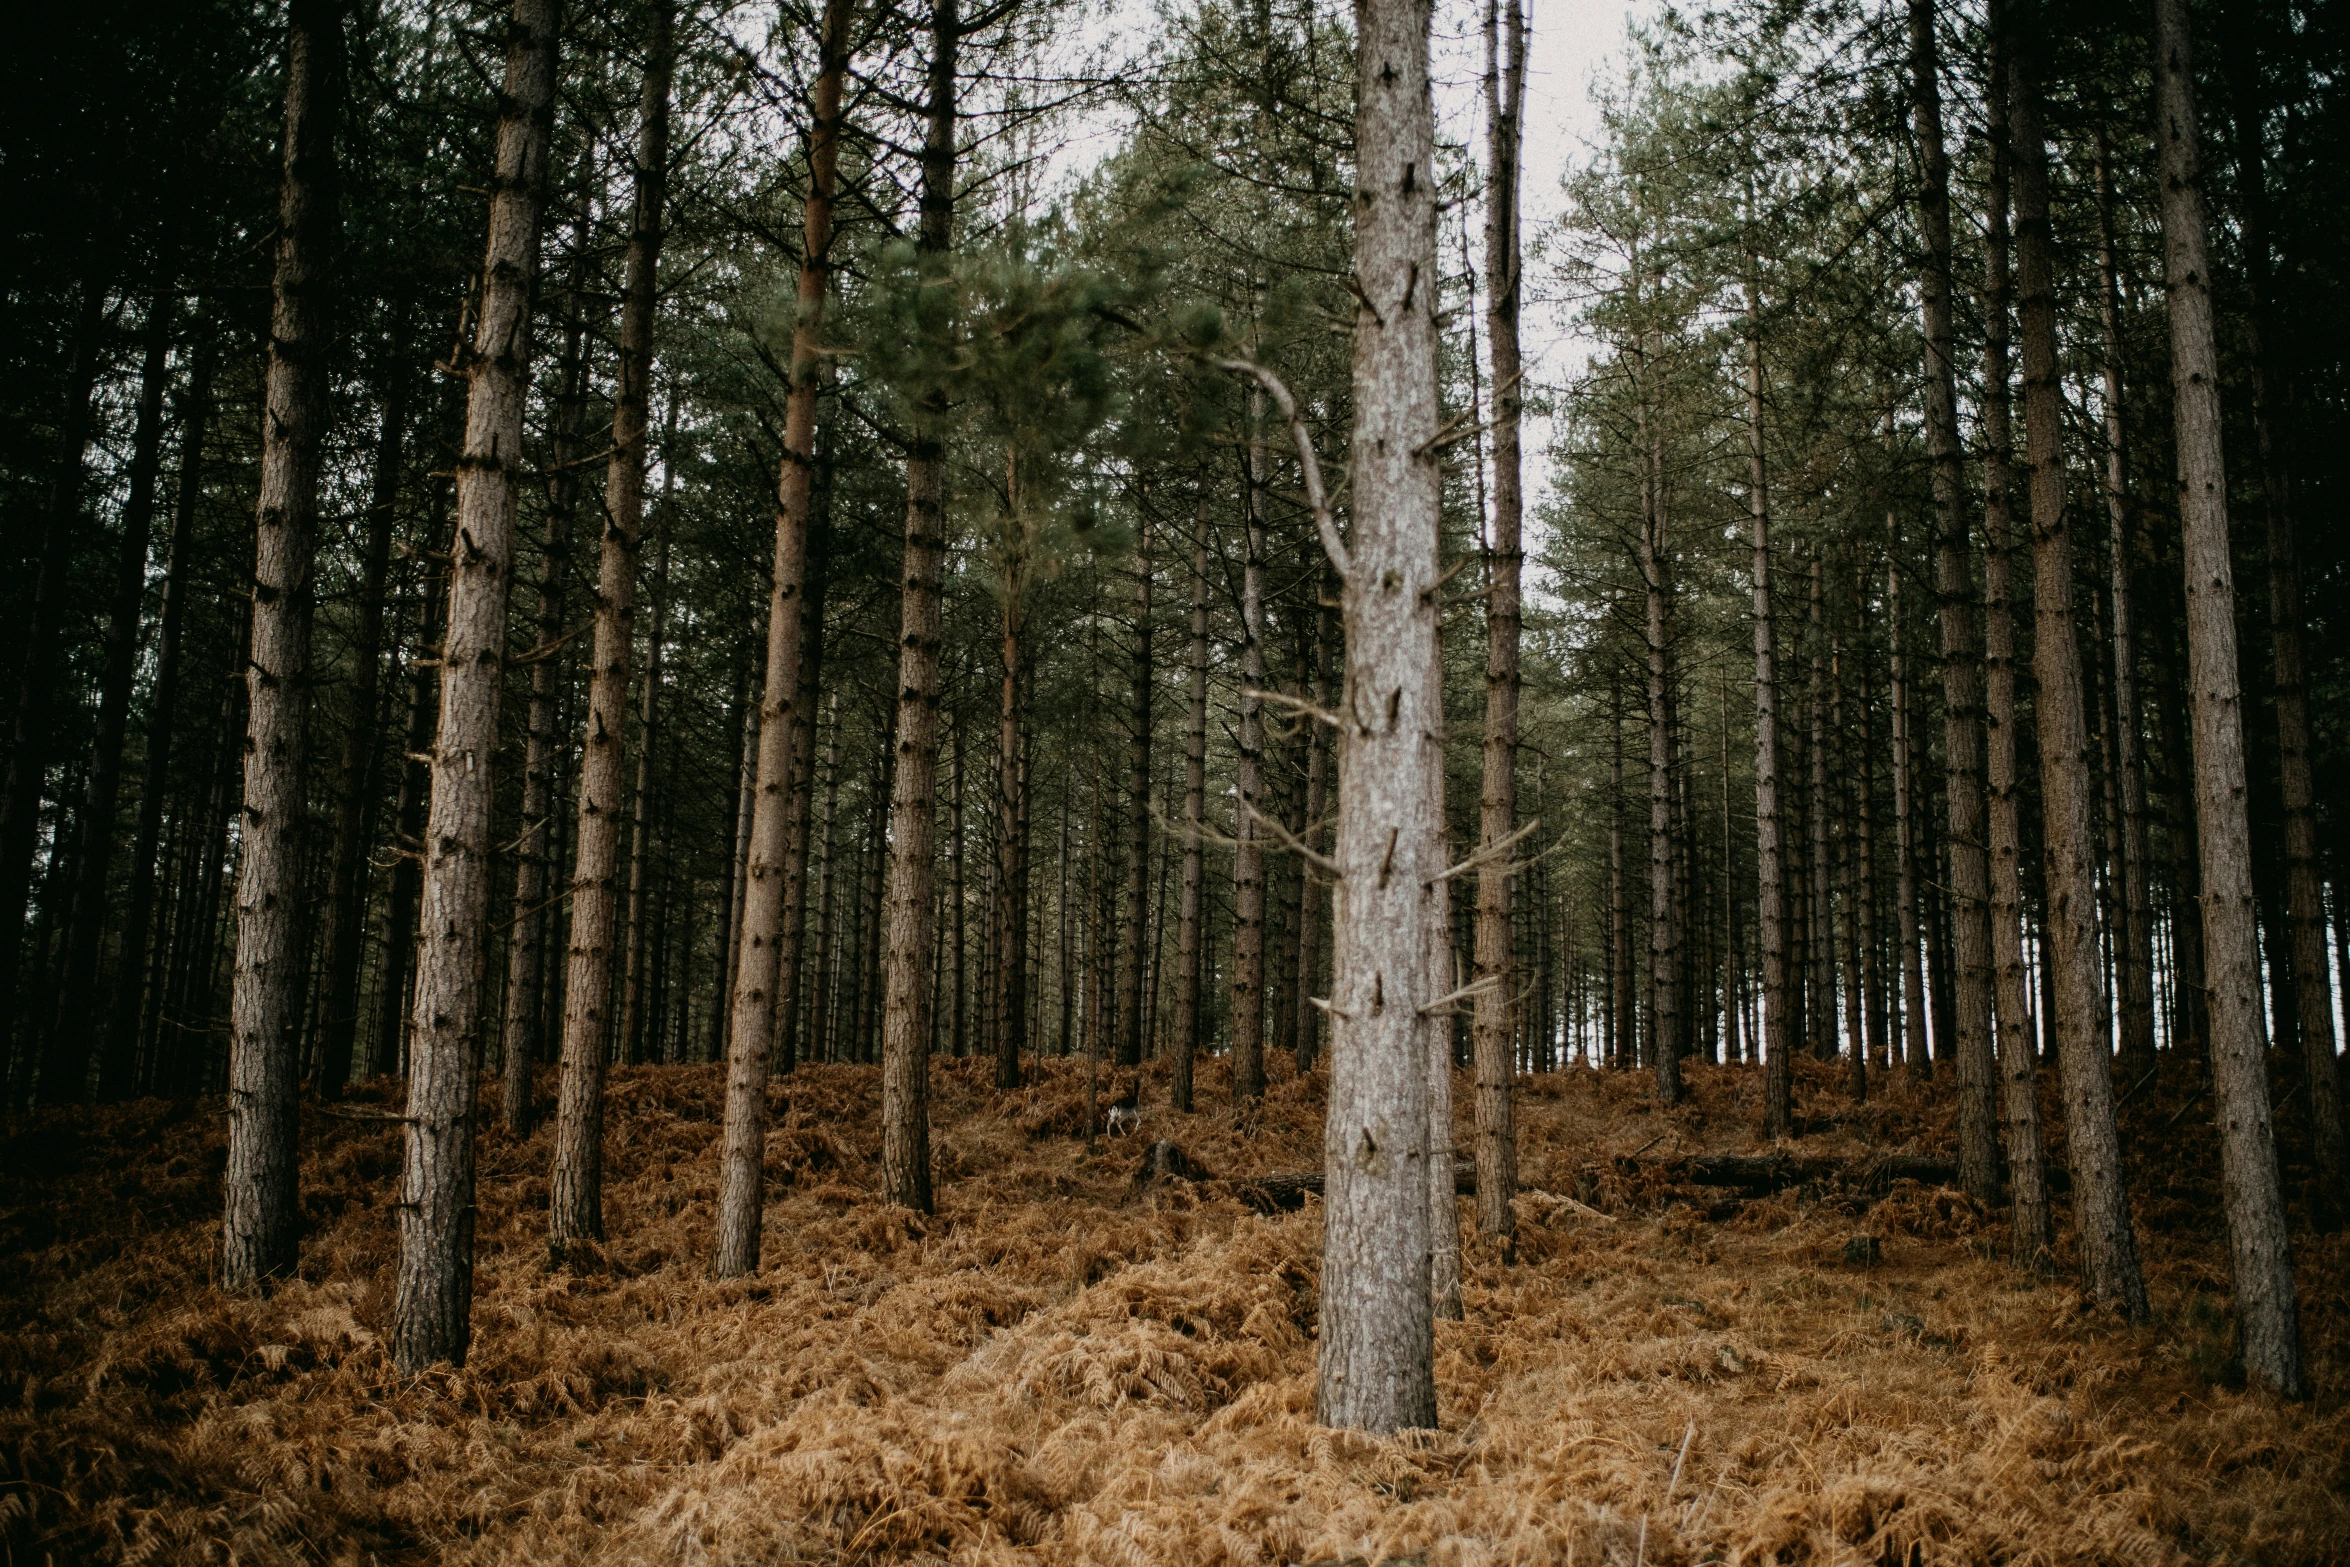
<point x="1059" y="1368"/>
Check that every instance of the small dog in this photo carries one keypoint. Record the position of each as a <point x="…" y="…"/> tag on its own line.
<point x="1126" y="1113"/>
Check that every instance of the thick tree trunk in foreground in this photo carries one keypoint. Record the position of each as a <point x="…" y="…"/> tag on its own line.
<point x="2268" y="1328"/>
<point x="1190" y="938"/>
<point x="575" y="1207"/>
<point x="1962" y="714"/>
<point x="1248" y="833"/>
<point x="432" y="1316"/>
<point x="259" y="1227"/>
<point x="1778" y="1030"/>
<point x="2101" y="1206"/>
<point x="750" y="1041"/>
<point x="1376" y="1361"/>
<point x="1497" y="804"/>
<point x="2032" y="1229"/>
<point x="911" y="921"/>
<point x="346" y="899"/>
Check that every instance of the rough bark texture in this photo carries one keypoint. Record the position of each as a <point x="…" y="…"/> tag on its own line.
<point x="750" y="1041"/>
<point x="262" y="1217"/>
<point x="431" y="1317"/>
<point x="1248" y="834"/>
<point x="1905" y="851"/>
<point x="2101" y="1207"/>
<point x="1313" y="897"/>
<point x="2268" y="1329"/>
<point x="1497" y="803"/>
<point x="1190" y="943"/>
<point x="2031" y="1225"/>
<point x="1778" y="1031"/>
<point x="1376" y="1360"/>
<point x="1664" y="947"/>
<point x="1009" y="1002"/>
<point x="1962" y="713"/>
<point x="630" y="1043"/>
<point x="792" y="962"/>
<point x="1134" y="911"/>
<point x="575" y="1209"/>
<point x="911" y="923"/>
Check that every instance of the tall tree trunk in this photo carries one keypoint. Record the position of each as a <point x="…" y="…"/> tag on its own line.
<point x="432" y="1314"/>
<point x="1313" y="898"/>
<point x="792" y="961"/>
<point x="1848" y="880"/>
<point x="1876" y="1025"/>
<point x="1905" y="850"/>
<point x="524" y="1025"/>
<point x="1778" y="1031"/>
<point x="2032" y="1230"/>
<point x="394" y="992"/>
<point x="2329" y="1189"/>
<point x="1190" y="936"/>
<point x="135" y="998"/>
<point x="1962" y="715"/>
<point x="629" y="1043"/>
<point x="912" y="923"/>
<point x="2134" y="950"/>
<point x="742" y="745"/>
<point x="44" y="645"/>
<point x="1009" y="998"/>
<point x="1623" y="1052"/>
<point x="1664" y="951"/>
<point x="1497" y="804"/>
<point x="959" y="1034"/>
<point x="77" y="1037"/>
<point x="2101" y="1206"/>
<point x="1819" y="944"/>
<point x="1376" y="1362"/>
<point x="1135" y="912"/>
<point x="1248" y="854"/>
<point x="827" y="934"/>
<point x="575" y="1208"/>
<point x="262" y="1218"/>
<point x="346" y="899"/>
<point x="2268" y="1330"/>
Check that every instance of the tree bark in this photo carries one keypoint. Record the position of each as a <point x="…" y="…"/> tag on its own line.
<point x="912" y="922"/>
<point x="1876" y="1024"/>
<point x="1497" y="805"/>
<point x="2101" y="1206"/>
<point x="1848" y="883"/>
<point x="1312" y="897"/>
<point x="1190" y="938"/>
<point x="1905" y="852"/>
<point x="629" y="1043"/>
<point x="74" y="1042"/>
<point x="432" y="1314"/>
<point x="575" y="1207"/>
<point x="792" y="960"/>
<point x="262" y="1218"/>
<point x="1008" y="1002"/>
<point x="390" y="1045"/>
<point x="1248" y="853"/>
<point x="1962" y="715"/>
<point x="2268" y="1330"/>
<point x="1778" y="1032"/>
<point x="347" y="878"/>
<point x="1664" y="949"/>
<point x="1377" y="1346"/>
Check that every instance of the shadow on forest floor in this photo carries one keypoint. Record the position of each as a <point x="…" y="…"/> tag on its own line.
<point x="1054" y="1369"/>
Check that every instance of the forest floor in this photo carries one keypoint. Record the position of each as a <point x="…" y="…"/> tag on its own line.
<point x="1055" y="1368"/>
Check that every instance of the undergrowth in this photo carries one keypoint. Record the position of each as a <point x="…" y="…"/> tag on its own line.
<point x="1059" y="1367"/>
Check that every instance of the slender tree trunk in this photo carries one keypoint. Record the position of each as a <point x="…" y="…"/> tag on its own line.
<point x="262" y="1219"/>
<point x="827" y="934"/>
<point x="2329" y="1189"/>
<point x="1009" y="1000"/>
<point x="1623" y="1053"/>
<point x="1962" y="716"/>
<point x="2268" y="1330"/>
<point x="912" y="928"/>
<point x="1376" y="1361"/>
<point x="1819" y="944"/>
<point x="1905" y="852"/>
<point x="1876" y="1026"/>
<point x="524" y="1025"/>
<point x="759" y="940"/>
<point x="400" y="904"/>
<point x="1778" y="1031"/>
<point x="135" y="997"/>
<point x="1497" y="807"/>
<point x="1848" y="884"/>
<point x="2032" y="1226"/>
<point x="432" y="1315"/>
<point x="1190" y="936"/>
<point x="575" y="1208"/>
<point x="792" y="961"/>
<point x="960" y="1037"/>
<point x="78" y="1034"/>
<point x="1248" y="854"/>
<point x="1664" y="951"/>
<point x="629" y="1043"/>
<point x="346" y="900"/>
<point x="2109" y="1250"/>
<point x="1312" y="892"/>
<point x="742" y="744"/>
<point x="1136" y="911"/>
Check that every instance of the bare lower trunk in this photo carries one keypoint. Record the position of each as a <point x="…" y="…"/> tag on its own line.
<point x="1248" y="833"/>
<point x="2268" y="1330"/>
<point x="1778" y="1030"/>
<point x="1190" y="943"/>
<point x="1664" y="950"/>
<point x="1313" y="895"/>
<point x="262" y="1218"/>
<point x="792" y="967"/>
<point x="630" y="1043"/>
<point x="1856" y="1064"/>
<point x="2101" y="1207"/>
<point x="1905" y="852"/>
<point x="1135" y="910"/>
<point x="1009" y="1002"/>
<point x="432" y="1316"/>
